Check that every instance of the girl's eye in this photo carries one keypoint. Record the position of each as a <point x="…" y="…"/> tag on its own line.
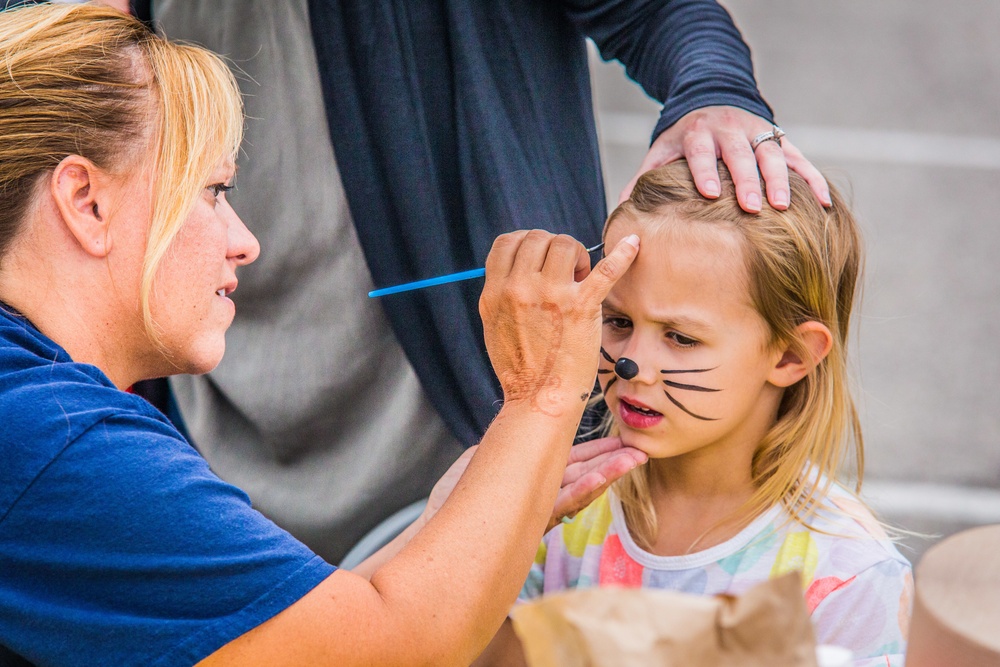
<point x="681" y="340"/>
<point x="617" y="322"/>
<point x="219" y="188"/>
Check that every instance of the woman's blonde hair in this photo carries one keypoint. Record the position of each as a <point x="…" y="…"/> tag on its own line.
<point x="88" y="80"/>
<point x="803" y="264"/>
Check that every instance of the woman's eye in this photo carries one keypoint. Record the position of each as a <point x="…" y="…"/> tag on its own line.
<point x="219" y="188"/>
<point x="617" y="322"/>
<point x="681" y="340"/>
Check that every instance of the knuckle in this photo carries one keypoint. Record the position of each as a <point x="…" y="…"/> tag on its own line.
<point x="565" y="242"/>
<point x="774" y="170"/>
<point x="507" y="240"/>
<point x="537" y="235"/>
<point x="697" y="148"/>
<point x="699" y="121"/>
<point x="609" y="268"/>
<point x="747" y="182"/>
<point x="729" y="115"/>
<point x="770" y="148"/>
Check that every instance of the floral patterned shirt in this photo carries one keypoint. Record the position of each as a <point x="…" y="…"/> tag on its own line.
<point x="858" y="588"/>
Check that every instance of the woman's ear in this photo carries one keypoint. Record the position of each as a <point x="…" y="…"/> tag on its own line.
<point x="814" y="342"/>
<point x="78" y="189"/>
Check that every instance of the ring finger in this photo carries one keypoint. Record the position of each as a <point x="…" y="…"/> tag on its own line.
<point x="774" y="169"/>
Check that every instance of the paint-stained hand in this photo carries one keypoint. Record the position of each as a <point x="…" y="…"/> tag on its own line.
<point x="592" y="467"/>
<point x="541" y="310"/>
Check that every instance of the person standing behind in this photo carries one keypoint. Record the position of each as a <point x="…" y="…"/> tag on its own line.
<point x="394" y="141"/>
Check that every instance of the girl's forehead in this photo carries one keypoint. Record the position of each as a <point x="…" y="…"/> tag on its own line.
<point x="689" y="261"/>
<point x="660" y="234"/>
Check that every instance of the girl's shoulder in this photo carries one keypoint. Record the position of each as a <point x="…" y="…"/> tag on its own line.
<point x="842" y="514"/>
<point x="843" y="537"/>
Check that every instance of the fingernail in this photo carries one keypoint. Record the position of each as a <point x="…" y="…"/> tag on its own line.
<point x="780" y="198"/>
<point x="712" y="189"/>
<point x="826" y="199"/>
<point x="632" y="240"/>
<point x="753" y="201"/>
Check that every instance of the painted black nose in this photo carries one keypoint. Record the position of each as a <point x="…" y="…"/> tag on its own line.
<point x="626" y="369"/>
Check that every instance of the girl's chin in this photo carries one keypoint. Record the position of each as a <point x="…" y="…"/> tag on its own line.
<point x="652" y="446"/>
<point x="644" y="443"/>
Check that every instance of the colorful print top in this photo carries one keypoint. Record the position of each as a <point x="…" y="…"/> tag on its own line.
<point x="858" y="587"/>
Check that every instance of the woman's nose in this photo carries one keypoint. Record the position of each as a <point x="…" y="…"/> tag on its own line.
<point x="243" y="245"/>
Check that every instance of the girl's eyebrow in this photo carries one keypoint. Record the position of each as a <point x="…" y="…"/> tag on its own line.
<point x="682" y="322"/>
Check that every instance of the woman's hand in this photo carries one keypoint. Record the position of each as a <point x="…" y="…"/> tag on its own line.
<point x="705" y="135"/>
<point x="541" y="310"/>
<point x="593" y="466"/>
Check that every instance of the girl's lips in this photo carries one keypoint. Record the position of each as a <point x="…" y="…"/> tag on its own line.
<point x="633" y="418"/>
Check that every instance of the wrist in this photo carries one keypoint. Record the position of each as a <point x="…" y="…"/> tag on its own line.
<point x="553" y="402"/>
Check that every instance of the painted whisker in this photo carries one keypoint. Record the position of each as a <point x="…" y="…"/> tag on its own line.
<point x="687" y="387"/>
<point x="670" y="383"/>
<point x="679" y="405"/>
<point x="693" y="370"/>
<point x="602" y="371"/>
<point x="690" y="387"/>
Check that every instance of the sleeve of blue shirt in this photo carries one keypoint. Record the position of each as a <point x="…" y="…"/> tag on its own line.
<point x="125" y="549"/>
<point x="687" y="54"/>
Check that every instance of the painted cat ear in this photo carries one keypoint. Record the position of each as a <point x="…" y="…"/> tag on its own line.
<point x="814" y="342"/>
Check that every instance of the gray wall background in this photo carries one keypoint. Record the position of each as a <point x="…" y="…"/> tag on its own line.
<point x="897" y="101"/>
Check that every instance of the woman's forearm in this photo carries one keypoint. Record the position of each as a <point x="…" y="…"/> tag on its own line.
<point x="441" y="599"/>
<point x="478" y="549"/>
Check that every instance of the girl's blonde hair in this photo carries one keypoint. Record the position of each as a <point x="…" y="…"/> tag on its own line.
<point x="804" y="264"/>
<point x="88" y="80"/>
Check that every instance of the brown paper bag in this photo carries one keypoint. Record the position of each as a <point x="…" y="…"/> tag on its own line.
<point x="617" y="627"/>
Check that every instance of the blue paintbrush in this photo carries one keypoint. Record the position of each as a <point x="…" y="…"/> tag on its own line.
<point x="441" y="280"/>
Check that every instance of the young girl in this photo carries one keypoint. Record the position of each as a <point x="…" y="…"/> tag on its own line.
<point x="724" y="359"/>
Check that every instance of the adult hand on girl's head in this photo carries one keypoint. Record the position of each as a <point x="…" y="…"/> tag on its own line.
<point x="705" y="135"/>
<point x="592" y="467"/>
<point x="541" y="310"/>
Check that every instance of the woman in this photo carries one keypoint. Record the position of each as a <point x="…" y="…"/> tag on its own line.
<point x="118" y="253"/>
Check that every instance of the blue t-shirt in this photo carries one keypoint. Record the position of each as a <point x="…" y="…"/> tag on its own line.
<point x="118" y="545"/>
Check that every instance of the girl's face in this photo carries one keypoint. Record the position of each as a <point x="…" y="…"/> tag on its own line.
<point x="683" y="314"/>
